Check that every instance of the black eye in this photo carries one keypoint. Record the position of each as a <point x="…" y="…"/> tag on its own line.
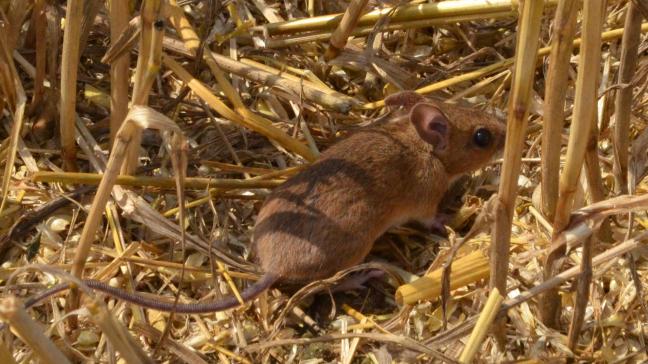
<point x="482" y="138"/>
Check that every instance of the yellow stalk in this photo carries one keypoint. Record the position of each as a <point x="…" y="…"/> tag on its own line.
<point x="149" y="54"/>
<point x="486" y="318"/>
<point x="465" y="270"/>
<point x="623" y="101"/>
<point x="516" y="128"/>
<point x="69" y="67"/>
<point x="403" y="25"/>
<point x="584" y="112"/>
<point x="408" y="12"/>
<point x="554" y="115"/>
<point x="344" y="28"/>
<point x="119" y="68"/>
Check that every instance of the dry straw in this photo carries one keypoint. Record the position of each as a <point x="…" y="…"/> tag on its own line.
<point x="341" y="34"/>
<point x="258" y="124"/>
<point x="466" y="270"/>
<point x="138" y="118"/>
<point x="242" y="114"/>
<point x="130" y="350"/>
<point x="119" y="68"/>
<point x="486" y="318"/>
<point x="623" y="101"/>
<point x="427" y="11"/>
<point x="12" y="312"/>
<point x="14" y="94"/>
<point x="584" y="116"/>
<point x="516" y="128"/>
<point x="69" y="67"/>
<point x="324" y="35"/>
<point x="148" y="65"/>
<point x="160" y="182"/>
<point x="554" y="106"/>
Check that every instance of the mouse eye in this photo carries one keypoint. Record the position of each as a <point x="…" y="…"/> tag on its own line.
<point x="482" y="138"/>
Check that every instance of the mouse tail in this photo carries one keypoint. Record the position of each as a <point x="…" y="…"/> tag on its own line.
<point x="231" y="301"/>
<point x="247" y="295"/>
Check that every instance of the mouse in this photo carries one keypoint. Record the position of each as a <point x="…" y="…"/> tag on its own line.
<point x="327" y="217"/>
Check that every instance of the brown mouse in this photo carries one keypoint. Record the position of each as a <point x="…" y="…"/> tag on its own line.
<point x="327" y="217"/>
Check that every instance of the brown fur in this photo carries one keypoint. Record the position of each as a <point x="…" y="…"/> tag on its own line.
<point x="327" y="217"/>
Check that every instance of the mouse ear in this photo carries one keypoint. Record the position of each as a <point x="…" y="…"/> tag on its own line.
<point x="431" y="124"/>
<point x="404" y="99"/>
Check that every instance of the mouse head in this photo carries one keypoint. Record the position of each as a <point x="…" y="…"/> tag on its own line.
<point x="463" y="138"/>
